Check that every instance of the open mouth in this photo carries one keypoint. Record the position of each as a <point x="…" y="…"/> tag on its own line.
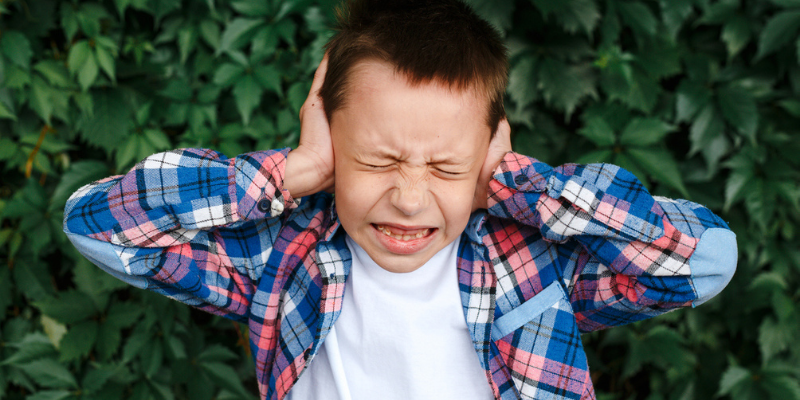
<point x="402" y="234"/>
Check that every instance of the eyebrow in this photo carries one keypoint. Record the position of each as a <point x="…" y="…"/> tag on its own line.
<point x="448" y="161"/>
<point x="395" y="156"/>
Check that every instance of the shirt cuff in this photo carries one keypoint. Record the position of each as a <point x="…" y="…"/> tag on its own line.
<point x="517" y="173"/>
<point x="258" y="184"/>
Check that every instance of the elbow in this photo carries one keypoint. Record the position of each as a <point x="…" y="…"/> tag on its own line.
<point x="713" y="263"/>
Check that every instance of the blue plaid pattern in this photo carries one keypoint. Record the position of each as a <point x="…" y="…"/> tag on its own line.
<point x="559" y="251"/>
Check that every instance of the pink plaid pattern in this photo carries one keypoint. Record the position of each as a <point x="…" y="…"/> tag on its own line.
<point x="188" y="224"/>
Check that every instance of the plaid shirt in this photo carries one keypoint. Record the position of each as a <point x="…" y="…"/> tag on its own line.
<point x="560" y="251"/>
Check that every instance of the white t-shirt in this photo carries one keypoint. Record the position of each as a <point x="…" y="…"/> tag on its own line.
<point x="399" y="336"/>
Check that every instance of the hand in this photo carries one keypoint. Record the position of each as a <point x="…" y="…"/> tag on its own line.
<point x="309" y="168"/>
<point x="498" y="147"/>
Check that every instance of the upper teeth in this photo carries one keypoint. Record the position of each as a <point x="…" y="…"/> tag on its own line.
<point x="389" y="233"/>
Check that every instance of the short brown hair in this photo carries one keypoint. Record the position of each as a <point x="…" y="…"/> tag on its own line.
<point x="441" y="40"/>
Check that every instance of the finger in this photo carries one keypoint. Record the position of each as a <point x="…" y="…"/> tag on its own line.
<point x="504" y="129"/>
<point x="314" y="100"/>
<point x="319" y="76"/>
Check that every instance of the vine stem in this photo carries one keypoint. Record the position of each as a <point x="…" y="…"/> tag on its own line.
<point x="242" y="341"/>
<point x="29" y="164"/>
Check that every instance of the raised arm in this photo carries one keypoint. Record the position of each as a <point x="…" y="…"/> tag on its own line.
<point x="190" y="224"/>
<point x="625" y="254"/>
<point x="199" y="227"/>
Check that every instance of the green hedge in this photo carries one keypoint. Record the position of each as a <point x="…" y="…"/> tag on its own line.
<point x="699" y="98"/>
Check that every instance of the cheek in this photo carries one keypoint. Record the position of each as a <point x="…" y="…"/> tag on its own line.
<point x="356" y="193"/>
<point x="455" y="200"/>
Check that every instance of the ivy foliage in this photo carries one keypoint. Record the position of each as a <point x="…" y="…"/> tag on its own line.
<point x="699" y="98"/>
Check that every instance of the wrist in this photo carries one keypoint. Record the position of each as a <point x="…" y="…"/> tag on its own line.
<point x="304" y="176"/>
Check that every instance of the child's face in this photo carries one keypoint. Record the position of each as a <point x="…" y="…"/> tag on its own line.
<point x="407" y="159"/>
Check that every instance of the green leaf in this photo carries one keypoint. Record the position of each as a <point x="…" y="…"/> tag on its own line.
<point x="674" y="14"/>
<point x="659" y="57"/>
<point x="732" y="377"/>
<point x="108" y="340"/>
<point x="49" y="373"/>
<point x="55" y="72"/>
<point x="238" y="33"/>
<point x="736" y="34"/>
<point x="773" y="337"/>
<point x="782" y="387"/>
<point x="226" y="377"/>
<point x="161" y="8"/>
<point x="88" y="73"/>
<point x="597" y="156"/>
<point x="69" y="307"/>
<point x="521" y="81"/>
<point x="163" y="391"/>
<point x="227" y="74"/>
<point x="779" y="31"/>
<point x="187" y="39"/>
<point x="706" y="127"/>
<point x="110" y="122"/>
<point x="106" y="61"/>
<point x="41" y="99"/>
<point x="17" y="48"/>
<point x="638" y="16"/>
<point x="5" y="112"/>
<point x="252" y="8"/>
<point x="265" y="41"/>
<point x="134" y="344"/>
<point x="32" y="347"/>
<point x="691" y="97"/>
<point x="210" y="32"/>
<point x="564" y="86"/>
<point x="123" y="315"/>
<point x="32" y="280"/>
<point x="78" y="341"/>
<point x="598" y="131"/>
<point x="79" y="53"/>
<point x="645" y="132"/>
<point x="297" y="94"/>
<point x="571" y="14"/>
<point x="739" y="108"/>
<point x="739" y="183"/>
<point x="96" y="378"/>
<point x="216" y="353"/>
<point x="50" y="395"/>
<point x="178" y="90"/>
<point x="248" y="95"/>
<point x="498" y="13"/>
<point x="269" y="76"/>
<point x="660" y="165"/>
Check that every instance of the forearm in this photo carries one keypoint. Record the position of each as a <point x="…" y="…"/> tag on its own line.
<point x="665" y="249"/>
<point x="169" y="194"/>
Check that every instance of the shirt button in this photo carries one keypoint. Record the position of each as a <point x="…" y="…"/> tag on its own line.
<point x="276" y="208"/>
<point x="263" y="205"/>
<point x="520" y="179"/>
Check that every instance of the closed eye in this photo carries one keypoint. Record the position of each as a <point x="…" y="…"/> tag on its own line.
<point x="377" y="167"/>
<point x="449" y="172"/>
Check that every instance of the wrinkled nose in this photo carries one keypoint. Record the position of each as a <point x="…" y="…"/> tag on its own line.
<point x="410" y="196"/>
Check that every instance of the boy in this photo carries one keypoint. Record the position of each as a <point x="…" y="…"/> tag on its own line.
<point x="441" y="244"/>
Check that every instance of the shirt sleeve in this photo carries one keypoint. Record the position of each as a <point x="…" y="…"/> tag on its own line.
<point x="190" y="224"/>
<point x="625" y="255"/>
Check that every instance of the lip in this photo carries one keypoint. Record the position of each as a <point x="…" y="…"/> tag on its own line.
<point x="404" y="247"/>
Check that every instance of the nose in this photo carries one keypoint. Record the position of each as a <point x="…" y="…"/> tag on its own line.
<point x="411" y="195"/>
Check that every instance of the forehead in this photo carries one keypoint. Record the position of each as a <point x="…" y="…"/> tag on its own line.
<point x="387" y="113"/>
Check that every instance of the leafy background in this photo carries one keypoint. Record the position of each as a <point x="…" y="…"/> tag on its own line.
<point x="699" y="98"/>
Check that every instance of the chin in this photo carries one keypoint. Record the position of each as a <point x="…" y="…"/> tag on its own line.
<point x="400" y="264"/>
